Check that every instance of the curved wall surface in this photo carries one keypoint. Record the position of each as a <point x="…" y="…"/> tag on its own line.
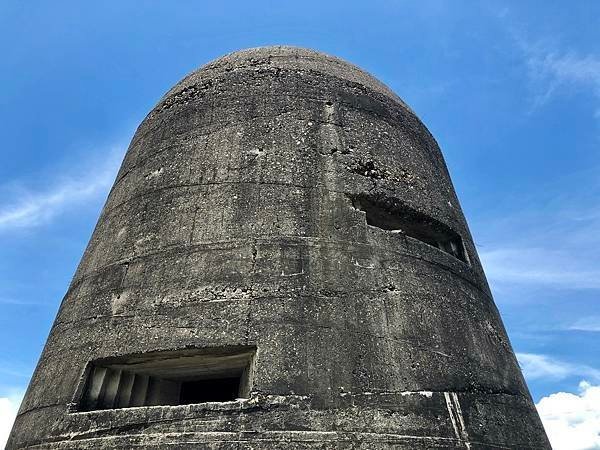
<point x="283" y="217"/>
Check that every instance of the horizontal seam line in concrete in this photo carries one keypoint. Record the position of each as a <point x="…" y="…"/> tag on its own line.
<point x="230" y="183"/>
<point x="349" y="437"/>
<point x="298" y="324"/>
<point x="216" y="183"/>
<point x="343" y="436"/>
<point x="139" y="161"/>
<point x="212" y="71"/>
<point x="374" y="94"/>
<point x="351" y="106"/>
<point x="384" y="338"/>
<point x="241" y="410"/>
<point x="167" y="249"/>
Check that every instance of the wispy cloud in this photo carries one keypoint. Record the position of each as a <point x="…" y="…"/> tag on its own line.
<point x="548" y="241"/>
<point x="591" y="323"/>
<point x="572" y="421"/>
<point x="536" y="366"/>
<point x="28" y="208"/>
<point x="15" y="301"/>
<point x="539" y="266"/>
<point x="552" y="70"/>
<point x="9" y="369"/>
<point x="552" y="242"/>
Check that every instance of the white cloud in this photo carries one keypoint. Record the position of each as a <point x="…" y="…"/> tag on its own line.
<point x="537" y="366"/>
<point x="591" y="323"/>
<point x="552" y="72"/>
<point x="549" y="240"/>
<point x="539" y="266"/>
<point x="572" y="421"/>
<point x="30" y="209"/>
<point x="564" y="70"/>
<point x="8" y="411"/>
<point x="570" y="68"/>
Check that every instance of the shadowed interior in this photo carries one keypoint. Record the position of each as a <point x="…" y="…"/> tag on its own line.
<point x="166" y="379"/>
<point x="391" y="215"/>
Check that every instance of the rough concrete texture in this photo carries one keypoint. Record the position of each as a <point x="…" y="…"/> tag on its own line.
<point x="236" y="220"/>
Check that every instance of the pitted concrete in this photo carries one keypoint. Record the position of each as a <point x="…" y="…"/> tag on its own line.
<point x="232" y="223"/>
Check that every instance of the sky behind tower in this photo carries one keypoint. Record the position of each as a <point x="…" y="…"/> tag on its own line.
<point x="510" y="89"/>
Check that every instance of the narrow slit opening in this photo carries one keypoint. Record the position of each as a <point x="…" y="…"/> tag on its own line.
<point x="390" y="215"/>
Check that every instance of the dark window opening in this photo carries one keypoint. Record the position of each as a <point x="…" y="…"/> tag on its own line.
<point x="391" y="215"/>
<point x="215" y="390"/>
<point x="168" y="378"/>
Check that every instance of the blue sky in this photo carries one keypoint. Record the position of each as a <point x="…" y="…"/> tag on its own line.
<point x="510" y="89"/>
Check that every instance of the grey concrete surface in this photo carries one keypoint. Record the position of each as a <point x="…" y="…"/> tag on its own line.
<point x="287" y="201"/>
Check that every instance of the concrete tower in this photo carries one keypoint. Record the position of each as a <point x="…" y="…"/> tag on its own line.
<point x="282" y="263"/>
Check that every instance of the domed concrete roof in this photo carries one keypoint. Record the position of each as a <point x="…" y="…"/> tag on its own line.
<point x="285" y="57"/>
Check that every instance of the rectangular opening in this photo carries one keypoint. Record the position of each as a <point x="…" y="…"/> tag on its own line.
<point x="391" y="215"/>
<point x="168" y="378"/>
<point x="213" y="390"/>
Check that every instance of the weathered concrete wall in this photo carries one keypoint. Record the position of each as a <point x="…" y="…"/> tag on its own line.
<point x="232" y="222"/>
